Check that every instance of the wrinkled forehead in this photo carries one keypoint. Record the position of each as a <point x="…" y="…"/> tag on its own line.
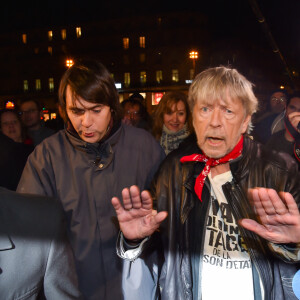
<point x="217" y="97"/>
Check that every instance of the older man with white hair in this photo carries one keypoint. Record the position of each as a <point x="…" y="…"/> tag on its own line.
<point x="233" y="207"/>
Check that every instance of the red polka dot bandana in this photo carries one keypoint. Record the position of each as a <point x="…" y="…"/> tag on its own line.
<point x="211" y="162"/>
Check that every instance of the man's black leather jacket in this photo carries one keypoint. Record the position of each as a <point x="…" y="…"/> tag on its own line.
<point x="181" y="236"/>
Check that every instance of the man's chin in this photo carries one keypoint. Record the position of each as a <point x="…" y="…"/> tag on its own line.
<point x="92" y="140"/>
<point x="213" y="153"/>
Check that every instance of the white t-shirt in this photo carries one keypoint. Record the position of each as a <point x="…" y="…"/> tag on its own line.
<point x="226" y="270"/>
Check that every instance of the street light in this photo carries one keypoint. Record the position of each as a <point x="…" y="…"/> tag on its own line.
<point x="69" y="63"/>
<point x="193" y="57"/>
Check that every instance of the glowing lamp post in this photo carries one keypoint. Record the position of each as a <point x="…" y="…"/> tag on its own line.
<point x="69" y="63"/>
<point x="193" y="57"/>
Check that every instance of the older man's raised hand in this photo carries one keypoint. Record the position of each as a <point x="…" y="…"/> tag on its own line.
<point x="278" y="215"/>
<point x="136" y="216"/>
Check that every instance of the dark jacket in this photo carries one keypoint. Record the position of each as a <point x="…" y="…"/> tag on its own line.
<point x="84" y="177"/>
<point x="13" y="157"/>
<point x="181" y="238"/>
<point x="36" y="261"/>
<point x="279" y="143"/>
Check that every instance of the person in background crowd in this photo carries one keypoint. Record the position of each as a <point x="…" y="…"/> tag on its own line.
<point x="11" y="126"/>
<point x="233" y="226"/>
<point x="288" y="139"/>
<point x="172" y="120"/>
<point x="264" y="125"/>
<point x="85" y="165"/>
<point x="15" y="147"/>
<point x="135" y="114"/>
<point x="31" y="116"/>
<point x="36" y="260"/>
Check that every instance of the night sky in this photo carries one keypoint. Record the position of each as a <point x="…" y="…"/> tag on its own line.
<point x="228" y="19"/>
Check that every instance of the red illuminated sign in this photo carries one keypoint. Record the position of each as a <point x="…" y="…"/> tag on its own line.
<point x="156" y="98"/>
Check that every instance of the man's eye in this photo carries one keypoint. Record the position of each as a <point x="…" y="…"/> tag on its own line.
<point x="229" y="114"/>
<point x="77" y="111"/>
<point x="97" y="111"/>
<point x="205" y="109"/>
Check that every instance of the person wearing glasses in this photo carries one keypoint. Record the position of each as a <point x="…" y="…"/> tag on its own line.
<point x="288" y="139"/>
<point x="135" y="113"/>
<point x="31" y="117"/>
<point x="263" y="125"/>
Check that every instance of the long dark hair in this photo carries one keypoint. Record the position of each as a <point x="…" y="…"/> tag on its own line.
<point x="90" y="80"/>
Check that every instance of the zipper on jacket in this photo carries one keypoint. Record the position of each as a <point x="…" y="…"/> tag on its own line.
<point x="265" y="275"/>
<point x="199" y="296"/>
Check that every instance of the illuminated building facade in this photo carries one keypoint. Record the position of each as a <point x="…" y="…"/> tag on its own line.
<point x="146" y="54"/>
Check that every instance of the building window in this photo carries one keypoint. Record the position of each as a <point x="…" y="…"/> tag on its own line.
<point x="126" y="43"/>
<point x="175" y="75"/>
<point x="142" y="42"/>
<point x="50" y="50"/>
<point x="78" y="32"/>
<point x="63" y="34"/>
<point x="143" y="77"/>
<point x="36" y="50"/>
<point x="50" y="35"/>
<point x="142" y="57"/>
<point x="24" y="38"/>
<point x="51" y="85"/>
<point x="127" y="79"/>
<point x="126" y="59"/>
<point x="192" y="73"/>
<point x="159" y="76"/>
<point x="38" y="85"/>
<point x="25" y="85"/>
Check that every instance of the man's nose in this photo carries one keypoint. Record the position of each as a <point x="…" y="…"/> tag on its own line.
<point x="215" y="118"/>
<point x="87" y="119"/>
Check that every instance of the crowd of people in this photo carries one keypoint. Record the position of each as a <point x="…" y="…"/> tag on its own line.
<point x="123" y="203"/>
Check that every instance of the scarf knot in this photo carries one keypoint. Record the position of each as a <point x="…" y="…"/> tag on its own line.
<point x="211" y="162"/>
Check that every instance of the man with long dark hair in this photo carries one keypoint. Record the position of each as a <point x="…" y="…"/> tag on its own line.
<point x="85" y="165"/>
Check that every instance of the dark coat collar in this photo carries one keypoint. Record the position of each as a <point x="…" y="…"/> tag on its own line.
<point x="238" y="167"/>
<point x="81" y="145"/>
